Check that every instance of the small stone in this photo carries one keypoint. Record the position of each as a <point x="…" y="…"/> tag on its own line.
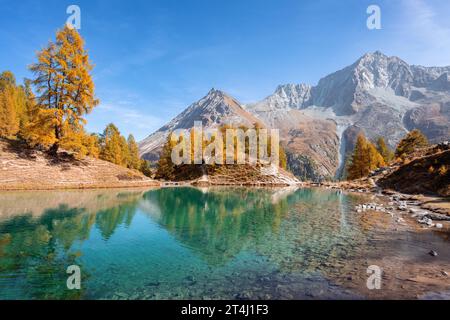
<point x="439" y="225"/>
<point x="444" y="273"/>
<point x="190" y="278"/>
<point x="426" y="221"/>
<point x="433" y="253"/>
<point x="244" y="296"/>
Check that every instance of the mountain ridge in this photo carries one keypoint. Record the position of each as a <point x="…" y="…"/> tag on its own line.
<point x="377" y="95"/>
<point x="215" y="109"/>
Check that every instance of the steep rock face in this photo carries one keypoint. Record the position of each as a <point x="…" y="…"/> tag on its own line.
<point x="296" y="96"/>
<point x="215" y="109"/>
<point x="311" y="144"/>
<point x="345" y="91"/>
<point x="433" y="120"/>
<point x="425" y="76"/>
<point x="380" y="120"/>
<point x="377" y="95"/>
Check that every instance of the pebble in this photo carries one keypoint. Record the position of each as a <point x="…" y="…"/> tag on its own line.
<point x="400" y="205"/>
<point x="426" y="221"/>
<point x="433" y="253"/>
<point x="370" y="206"/>
<point x="243" y="296"/>
<point x="419" y="214"/>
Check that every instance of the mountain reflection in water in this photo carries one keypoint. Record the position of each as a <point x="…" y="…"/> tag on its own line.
<point x="173" y="243"/>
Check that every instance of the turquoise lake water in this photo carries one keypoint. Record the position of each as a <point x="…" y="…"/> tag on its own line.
<point x="187" y="243"/>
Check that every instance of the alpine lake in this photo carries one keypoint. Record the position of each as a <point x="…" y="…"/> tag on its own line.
<point x="213" y="243"/>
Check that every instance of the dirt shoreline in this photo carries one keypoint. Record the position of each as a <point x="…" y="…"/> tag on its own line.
<point x="437" y="204"/>
<point x="81" y="186"/>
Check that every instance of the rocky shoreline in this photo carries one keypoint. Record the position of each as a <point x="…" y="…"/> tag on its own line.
<point x="427" y="211"/>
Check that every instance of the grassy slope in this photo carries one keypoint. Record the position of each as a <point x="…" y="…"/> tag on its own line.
<point x="22" y="168"/>
<point x="415" y="176"/>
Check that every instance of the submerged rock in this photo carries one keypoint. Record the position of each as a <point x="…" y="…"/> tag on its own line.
<point x="433" y="253"/>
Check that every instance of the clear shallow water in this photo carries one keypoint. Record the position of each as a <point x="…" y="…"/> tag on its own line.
<point x="187" y="243"/>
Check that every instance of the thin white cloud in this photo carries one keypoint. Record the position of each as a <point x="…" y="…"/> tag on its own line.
<point x="425" y="31"/>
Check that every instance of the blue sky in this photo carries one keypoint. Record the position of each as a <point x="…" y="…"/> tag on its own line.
<point x="154" y="58"/>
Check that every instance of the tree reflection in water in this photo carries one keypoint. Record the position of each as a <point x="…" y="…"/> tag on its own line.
<point x="128" y="239"/>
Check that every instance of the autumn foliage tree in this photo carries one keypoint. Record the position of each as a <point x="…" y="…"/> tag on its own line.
<point x="15" y="103"/>
<point x="65" y="92"/>
<point x="134" y="162"/>
<point x="8" y="116"/>
<point x="365" y="158"/>
<point x="166" y="169"/>
<point x="412" y="141"/>
<point x="384" y="150"/>
<point x="113" y="146"/>
<point x="123" y="152"/>
<point x="55" y="117"/>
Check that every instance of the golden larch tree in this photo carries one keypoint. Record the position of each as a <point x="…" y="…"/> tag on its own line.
<point x="365" y="158"/>
<point x="384" y="150"/>
<point x="114" y="146"/>
<point x="412" y="141"/>
<point x="135" y="161"/>
<point x="9" y="120"/>
<point x="65" y="90"/>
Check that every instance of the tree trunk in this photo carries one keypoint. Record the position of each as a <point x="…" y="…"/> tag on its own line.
<point x="54" y="148"/>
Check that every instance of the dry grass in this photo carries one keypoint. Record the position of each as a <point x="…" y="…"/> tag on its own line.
<point x="22" y="168"/>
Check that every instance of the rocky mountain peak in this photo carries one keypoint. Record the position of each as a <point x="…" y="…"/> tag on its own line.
<point x="216" y="101"/>
<point x="373" y="56"/>
<point x="213" y="93"/>
<point x="216" y="108"/>
<point x="285" y="97"/>
<point x="378" y="70"/>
